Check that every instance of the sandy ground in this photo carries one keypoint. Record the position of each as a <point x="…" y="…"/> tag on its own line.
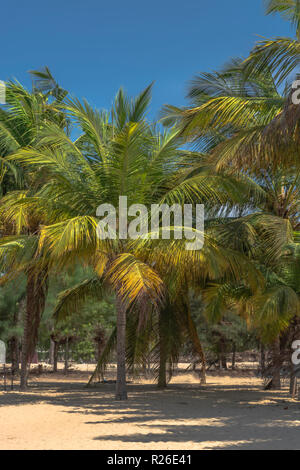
<point x="230" y="412"/>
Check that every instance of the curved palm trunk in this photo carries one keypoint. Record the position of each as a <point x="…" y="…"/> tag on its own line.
<point x="121" y="389"/>
<point x="36" y="291"/>
<point x="108" y="347"/>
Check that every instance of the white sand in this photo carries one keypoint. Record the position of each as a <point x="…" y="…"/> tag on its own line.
<point x="227" y="413"/>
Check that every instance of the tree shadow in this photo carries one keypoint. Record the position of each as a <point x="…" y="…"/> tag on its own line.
<point x="212" y="416"/>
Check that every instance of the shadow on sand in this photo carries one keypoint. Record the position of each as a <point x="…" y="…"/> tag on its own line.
<point x="219" y="417"/>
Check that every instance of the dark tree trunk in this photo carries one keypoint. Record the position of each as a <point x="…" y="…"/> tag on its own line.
<point x="276" y="365"/>
<point x="14" y="343"/>
<point x="99" y="349"/>
<point x="66" y="356"/>
<point x="15" y="355"/>
<point x="163" y="355"/>
<point x="24" y="364"/>
<point x="55" y="356"/>
<point x="26" y="333"/>
<point x="36" y="291"/>
<point x="162" y="375"/>
<point x="100" y="340"/>
<point x="293" y="384"/>
<point x="51" y="352"/>
<point x="121" y="388"/>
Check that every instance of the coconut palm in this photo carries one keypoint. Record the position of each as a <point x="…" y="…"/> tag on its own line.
<point x="280" y="55"/>
<point x="120" y="154"/>
<point x="231" y="117"/>
<point x="156" y="338"/>
<point x="273" y="310"/>
<point x="21" y="120"/>
<point x="263" y="235"/>
<point x="229" y="114"/>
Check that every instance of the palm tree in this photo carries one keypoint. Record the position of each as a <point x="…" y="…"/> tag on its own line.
<point x="231" y="116"/>
<point x="279" y="55"/>
<point x="120" y="154"/>
<point x="20" y="123"/>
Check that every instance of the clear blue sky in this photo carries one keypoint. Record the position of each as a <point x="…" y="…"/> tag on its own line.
<point x="94" y="46"/>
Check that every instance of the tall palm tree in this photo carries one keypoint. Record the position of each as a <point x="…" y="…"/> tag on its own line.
<point x="120" y="154"/>
<point x="231" y="116"/>
<point x="21" y="120"/>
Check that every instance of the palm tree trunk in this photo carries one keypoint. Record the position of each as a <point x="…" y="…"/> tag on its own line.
<point x="293" y="384"/>
<point x="276" y="365"/>
<point x="98" y="351"/>
<point x="162" y="373"/>
<point x="51" y="352"/>
<point x="66" y="356"/>
<point x="121" y="389"/>
<point x="26" y="332"/>
<point x="55" y="356"/>
<point x="15" y="353"/>
<point x="36" y="291"/>
<point x="15" y="357"/>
